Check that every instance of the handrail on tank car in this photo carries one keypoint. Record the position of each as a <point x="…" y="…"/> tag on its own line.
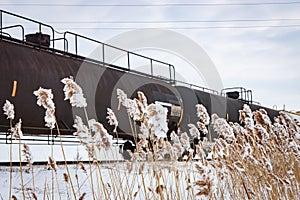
<point x="13" y="26"/>
<point x="197" y="86"/>
<point x="127" y="53"/>
<point x="28" y="19"/>
<point x="246" y="95"/>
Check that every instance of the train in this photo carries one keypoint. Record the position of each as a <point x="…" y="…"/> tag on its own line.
<point x="33" y="61"/>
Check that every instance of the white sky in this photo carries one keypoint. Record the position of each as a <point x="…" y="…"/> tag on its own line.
<point x="263" y="59"/>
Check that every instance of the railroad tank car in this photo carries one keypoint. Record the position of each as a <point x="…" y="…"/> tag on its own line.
<point x="32" y="63"/>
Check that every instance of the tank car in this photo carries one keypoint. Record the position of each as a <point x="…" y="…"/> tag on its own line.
<point x="32" y="62"/>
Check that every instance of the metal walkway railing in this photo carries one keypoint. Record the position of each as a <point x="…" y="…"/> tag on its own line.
<point x="151" y="62"/>
<point x="102" y="50"/>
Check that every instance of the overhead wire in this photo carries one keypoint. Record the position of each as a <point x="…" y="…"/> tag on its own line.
<point x="189" y="27"/>
<point x="172" y="21"/>
<point x="157" y="4"/>
<point x="175" y="21"/>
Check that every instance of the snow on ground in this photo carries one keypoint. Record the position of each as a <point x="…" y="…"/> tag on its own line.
<point x="119" y="180"/>
<point x="41" y="150"/>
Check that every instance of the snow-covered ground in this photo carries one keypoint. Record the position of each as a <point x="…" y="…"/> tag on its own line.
<point x="121" y="180"/>
<point x="41" y="150"/>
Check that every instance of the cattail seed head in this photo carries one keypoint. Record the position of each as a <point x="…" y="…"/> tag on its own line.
<point x="45" y="99"/>
<point x="73" y="92"/>
<point x="52" y="164"/>
<point x="8" y="109"/>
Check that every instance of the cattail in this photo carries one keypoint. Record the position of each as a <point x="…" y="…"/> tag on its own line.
<point x="156" y="119"/>
<point x="247" y="151"/>
<point x="185" y="140"/>
<point x="202" y="127"/>
<point x="174" y="137"/>
<point x="82" y="196"/>
<point x="73" y="92"/>
<point x="112" y="119"/>
<point x="28" y="157"/>
<point x="194" y="130"/>
<point x="52" y="164"/>
<point x="16" y="131"/>
<point x="159" y="189"/>
<point x="261" y="132"/>
<point x="122" y="96"/>
<point x="66" y="177"/>
<point x="82" y="167"/>
<point x="101" y="136"/>
<point x="82" y="131"/>
<point x="207" y="181"/>
<point x="246" y="112"/>
<point x="239" y="166"/>
<point x="34" y="196"/>
<point x="142" y="98"/>
<point x="223" y="128"/>
<point x="129" y="166"/>
<point x="246" y="116"/>
<point x="202" y="114"/>
<point x="135" y="109"/>
<point x="45" y="99"/>
<point x="8" y="109"/>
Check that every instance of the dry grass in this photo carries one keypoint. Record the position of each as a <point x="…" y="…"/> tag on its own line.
<point x="256" y="159"/>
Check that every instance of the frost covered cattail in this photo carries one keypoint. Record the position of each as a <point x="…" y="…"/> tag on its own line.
<point x="247" y="151"/>
<point x="261" y="132"/>
<point x="16" y="131"/>
<point x="153" y="117"/>
<point x="136" y="109"/>
<point x="143" y="143"/>
<point x="45" y="99"/>
<point x="142" y="98"/>
<point x="122" y="96"/>
<point x="101" y="137"/>
<point x="8" y="109"/>
<point x="84" y="135"/>
<point x="185" y="140"/>
<point x="177" y="147"/>
<point x="174" y="137"/>
<point x="261" y="117"/>
<point x="27" y="154"/>
<point x="239" y="166"/>
<point x="112" y="119"/>
<point x="202" y="114"/>
<point x="246" y="116"/>
<point x="194" y="130"/>
<point x="206" y="182"/>
<point x="223" y="128"/>
<point x="202" y="127"/>
<point x="52" y="164"/>
<point x="73" y="92"/>
<point x="82" y="131"/>
<point x="156" y="119"/>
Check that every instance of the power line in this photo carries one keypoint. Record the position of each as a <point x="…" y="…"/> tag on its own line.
<point x="154" y="5"/>
<point x="189" y="27"/>
<point x="171" y="21"/>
